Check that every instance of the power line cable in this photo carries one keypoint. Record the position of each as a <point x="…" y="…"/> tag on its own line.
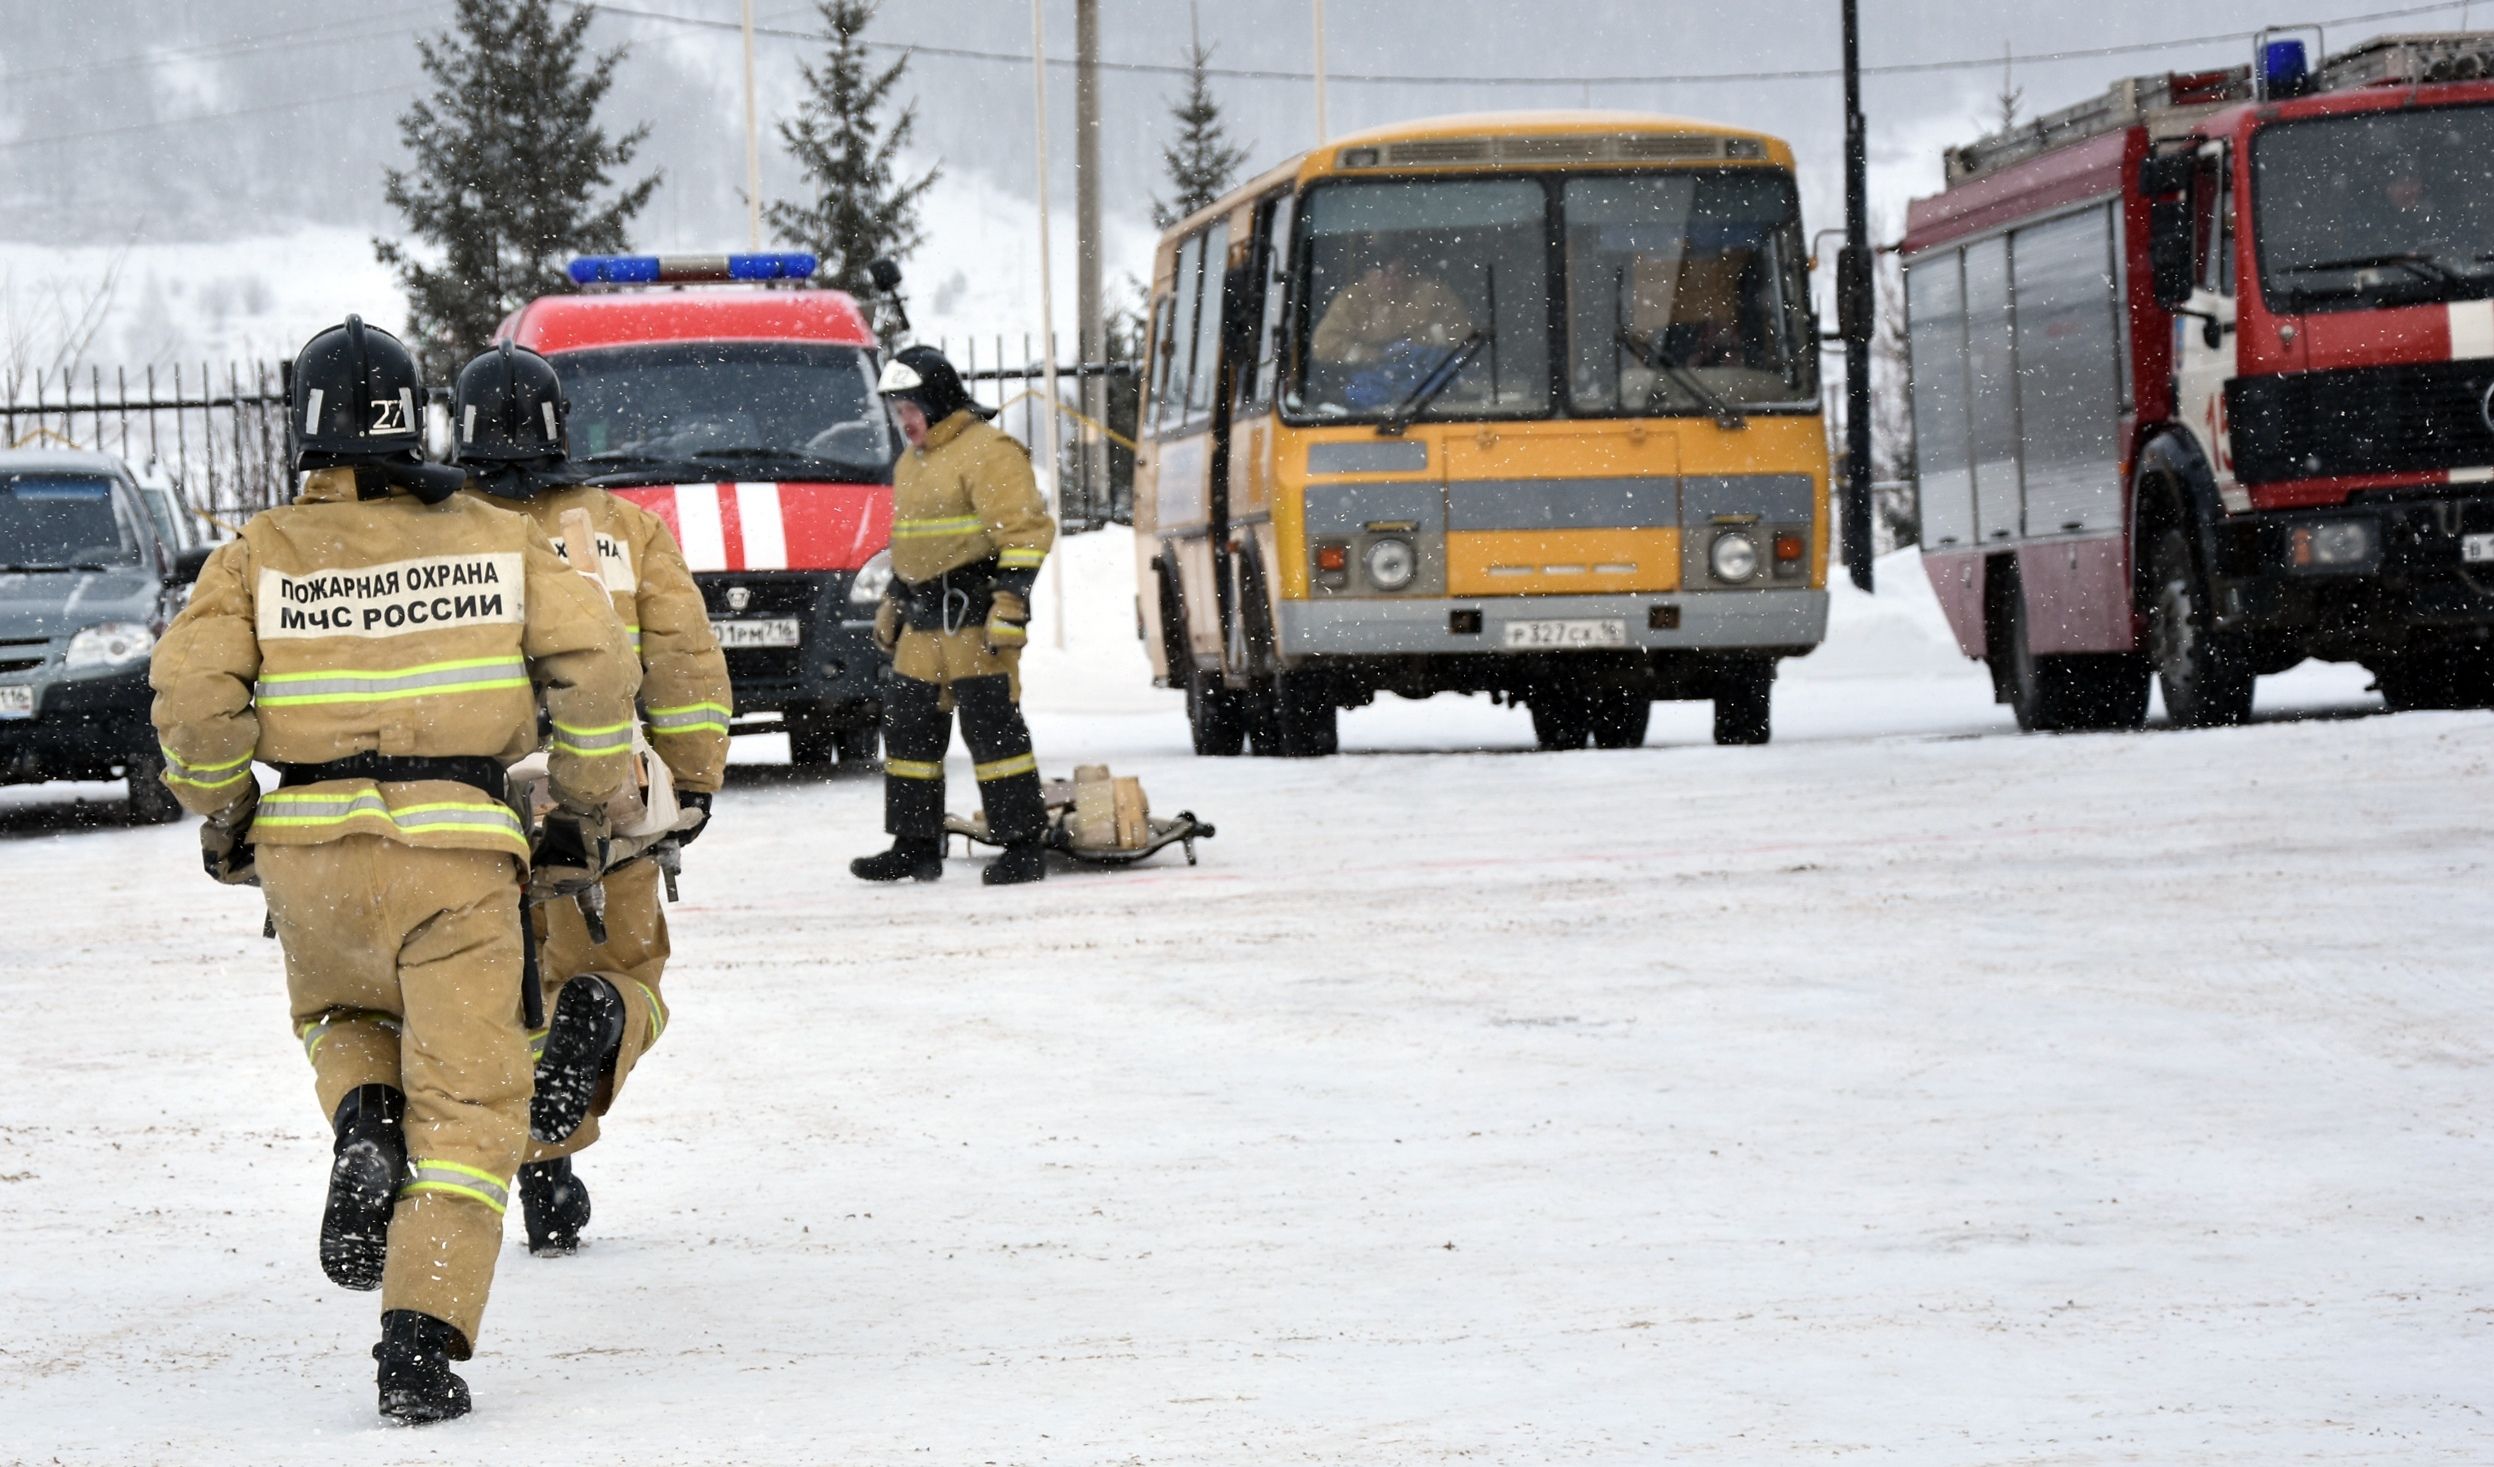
<point x="368" y="94"/>
<point x="1242" y="73"/>
<point x="239" y="46"/>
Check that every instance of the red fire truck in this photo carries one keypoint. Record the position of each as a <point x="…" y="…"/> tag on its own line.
<point x="745" y="416"/>
<point x="2203" y="385"/>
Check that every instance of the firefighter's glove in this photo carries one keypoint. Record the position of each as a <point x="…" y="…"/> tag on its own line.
<point x="570" y="852"/>
<point x="1008" y="623"/>
<point x="225" y="843"/>
<point x="888" y="625"/>
<point x="694" y="803"/>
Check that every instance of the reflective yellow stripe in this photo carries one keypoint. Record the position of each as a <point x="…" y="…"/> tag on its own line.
<point x="1007" y="768"/>
<point x="195" y="776"/>
<point x="318" y="1029"/>
<point x="537" y="1043"/>
<point x="968" y="524"/>
<point x="1020" y="557"/>
<point x="456" y="1179"/>
<point x="1006" y="631"/>
<point x="369" y="685"/>
<point x="913" y="769"/>
<point x="690" y="718"/>
<point x="283" y="810"/>
<point x="594" y="743"/>
<point x="657" y="1010"/>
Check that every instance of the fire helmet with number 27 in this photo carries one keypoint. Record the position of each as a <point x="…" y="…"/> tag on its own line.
<point x="356" y="400"/>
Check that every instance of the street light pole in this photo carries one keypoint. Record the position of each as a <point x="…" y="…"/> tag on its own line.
<point x="1321" y="133"/>
<point x="1855" y="313"/>
<point x="1054" y="435"/>
<point x="753" y="146"/>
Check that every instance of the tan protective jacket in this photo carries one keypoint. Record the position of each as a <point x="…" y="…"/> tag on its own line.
<point x="684" y="688"/>
<point x="337" y="626"/>
<point x="964" y="495"/>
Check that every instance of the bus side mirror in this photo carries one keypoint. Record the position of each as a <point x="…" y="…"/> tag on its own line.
<point x="2169" y="251"/>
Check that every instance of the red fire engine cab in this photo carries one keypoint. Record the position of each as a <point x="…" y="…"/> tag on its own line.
<point x="2203" y="385"/>
<point x="745" y="416"/>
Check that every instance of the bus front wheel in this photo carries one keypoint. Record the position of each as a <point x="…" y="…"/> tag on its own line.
<point x="1293" y="716"/>
<point x="1744" y="704"/>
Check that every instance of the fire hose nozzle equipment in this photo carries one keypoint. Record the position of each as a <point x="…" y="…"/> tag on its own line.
<point x="1098" y="819"/>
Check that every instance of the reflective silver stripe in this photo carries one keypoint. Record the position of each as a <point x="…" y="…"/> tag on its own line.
<point x="477" y="675"/>
<point x="204" y="776"/>
<point x="456" y="1179"/>
<point x="593" y="741"/>
<point x="318" y="1030"/>
<point x="282" y="810"/>
<point x="671" y="719"/>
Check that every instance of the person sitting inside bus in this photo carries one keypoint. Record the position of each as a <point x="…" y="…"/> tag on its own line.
<point x="1392" y="302"/>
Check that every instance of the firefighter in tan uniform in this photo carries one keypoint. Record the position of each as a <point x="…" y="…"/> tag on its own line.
<point x="384" y="644"/>
<point x="969" y="531"/>
<point x="510" y="424"/>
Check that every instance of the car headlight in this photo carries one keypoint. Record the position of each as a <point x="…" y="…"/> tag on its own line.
<point x="110" y="644"/>
<point x="873" y="579"/>
<point x="1390" y="564"/>
<point x="1734" y="556"/>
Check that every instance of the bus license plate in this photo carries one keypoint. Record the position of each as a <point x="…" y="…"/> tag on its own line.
<point x="17" y="700"/>
<point x="777" y="631"/>
<point x="2476" y="549"/>
<point x="1607" y="631"/>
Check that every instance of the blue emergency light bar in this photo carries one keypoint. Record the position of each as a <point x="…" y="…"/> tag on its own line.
<point x="679" y="269"/>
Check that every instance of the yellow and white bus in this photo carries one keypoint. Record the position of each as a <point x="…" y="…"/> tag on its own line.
<point x="1523" y="404"/>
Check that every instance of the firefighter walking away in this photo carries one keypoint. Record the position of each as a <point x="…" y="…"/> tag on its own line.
<point x="969" y="531"/>
<point x="511" y="423"/>
<point x="383" y="643"/>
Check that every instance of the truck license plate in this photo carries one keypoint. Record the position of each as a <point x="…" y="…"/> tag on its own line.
<point x="17" y="700"/>
<point x="1608" y="631"/>
<point x="2476" y="549"/>
<point x="777" y="631"/>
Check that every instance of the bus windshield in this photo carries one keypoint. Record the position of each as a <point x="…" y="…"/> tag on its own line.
<point x="2376" y="209"/>
<point x="1685" y="288"/>
<point x="1401" y="277"/>
<point x="733" y="409"/>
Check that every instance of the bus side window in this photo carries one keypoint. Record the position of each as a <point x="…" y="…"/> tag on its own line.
<point x="1164" y="350"/>
<point x="1169" y="413"/>
<point x="1271" y="299"/>
<point x="1214" y="252"/>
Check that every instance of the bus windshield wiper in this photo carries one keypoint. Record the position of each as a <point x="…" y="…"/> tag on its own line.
<point x="1435" y="381"/>
<point x="2428" y="266"/>
<point x="1657" y="359"/>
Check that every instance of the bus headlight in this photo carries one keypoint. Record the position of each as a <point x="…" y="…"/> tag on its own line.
<point x="1734" y="556"/>
<point x="109" y="644"/>
<point x="873" y="578"/>
<point x="1390" y="564"/>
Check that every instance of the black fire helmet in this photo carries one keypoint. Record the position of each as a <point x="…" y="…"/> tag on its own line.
<point x="922" y="375"/>
<point x="509" y="420"/>
<point x="356" y="401"/>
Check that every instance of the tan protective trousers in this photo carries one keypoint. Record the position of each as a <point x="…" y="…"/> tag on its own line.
<point x="633" y="958"/>
<point x="403" y="968"/>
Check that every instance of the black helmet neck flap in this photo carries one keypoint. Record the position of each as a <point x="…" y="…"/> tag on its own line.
<point x="356" y="401"/>
<point x="510" y="422"/>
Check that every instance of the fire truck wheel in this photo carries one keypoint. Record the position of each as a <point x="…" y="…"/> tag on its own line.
<point x="1562" y="718"/>
<point x="818" y="746"/>
<point x="2052" y="694"/>
<point x="1215" y="723"/>
<point x="2205" y="674"/>
<point x="2436" y="677"/>
<point x="1744" y="705"/>
<point x="1619" y="717"/>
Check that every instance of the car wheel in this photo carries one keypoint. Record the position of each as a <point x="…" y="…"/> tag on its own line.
<point x="151" y="803"/>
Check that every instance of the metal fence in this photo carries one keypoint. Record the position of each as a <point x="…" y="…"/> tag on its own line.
<point x="1095" y="475"/>
<point x="218" y="435"/>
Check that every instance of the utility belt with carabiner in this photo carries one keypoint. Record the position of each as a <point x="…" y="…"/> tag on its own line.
<point x="475" y="771"/>
<point x="960" y="597"/>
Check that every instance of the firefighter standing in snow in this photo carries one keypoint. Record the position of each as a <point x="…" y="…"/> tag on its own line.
<point x="969" y="530"/>
<point x="383" y="644"/>
<point x="510" y="422"/>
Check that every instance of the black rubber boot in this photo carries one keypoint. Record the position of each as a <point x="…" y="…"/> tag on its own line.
<point x="581" y="1040"/>
<point x="910" y="859"/>
<point x="556" y="1203"/>
<point x="1022" y="861"/>
<point x="370" y="1160"/>
<point x="415" y="1377"/>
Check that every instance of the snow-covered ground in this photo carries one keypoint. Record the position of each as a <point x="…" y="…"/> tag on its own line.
<point x="1907" y="1090"/>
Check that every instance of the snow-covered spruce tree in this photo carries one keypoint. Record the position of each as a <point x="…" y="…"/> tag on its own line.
<point x="859" y="209"/>
<point x="1202" y="164"/>
<point x="510" y="171"/>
